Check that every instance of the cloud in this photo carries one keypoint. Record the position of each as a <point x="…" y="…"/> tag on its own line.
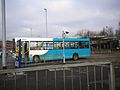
<point x="59" y="5"/>
<point x="71" y="15"/>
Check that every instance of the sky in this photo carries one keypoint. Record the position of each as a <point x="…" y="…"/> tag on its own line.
<point x="24" y="17"/>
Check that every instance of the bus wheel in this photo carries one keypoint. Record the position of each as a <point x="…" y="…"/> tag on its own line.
<point x="75" y="56"/>
<point x="36" y="59"/>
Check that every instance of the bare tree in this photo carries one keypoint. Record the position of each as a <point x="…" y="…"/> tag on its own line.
<point x="107" y="32"/>
<point x="103" y="32"/>
<point x="80" y="33"/>
<point x="88" y="34"/>
<point x="117" y="34"/>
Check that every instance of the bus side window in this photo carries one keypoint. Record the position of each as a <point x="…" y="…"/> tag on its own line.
<point x="67" y="45"/>
<point x="86" y="44"/>
<point x="57" y="45"/>
<point x="83" y="44"/>
<point x="80" y="45"/>
<point x="39" y="46"/>
<point x="43" y="46"/>
<point x="73" y="45"/>
<point x="76" y="45"/>
<point x="49" y="45"/>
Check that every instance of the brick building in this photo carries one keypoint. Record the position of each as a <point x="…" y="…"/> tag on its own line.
<point x="9" y="45"/>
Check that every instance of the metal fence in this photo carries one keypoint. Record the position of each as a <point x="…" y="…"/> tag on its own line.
<point x="82" y="76"/>
<point x="105" y="51"/>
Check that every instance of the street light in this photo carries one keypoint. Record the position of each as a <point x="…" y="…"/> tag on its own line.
<point x="46" y="20"/>
<point x="63" y="36"/>
<point x="3" y="35"/>
<point x="31" y="31"/>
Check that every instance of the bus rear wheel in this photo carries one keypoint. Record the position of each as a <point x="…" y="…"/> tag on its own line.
<point x="75" y="56"/>
<point x="36" y="59"/>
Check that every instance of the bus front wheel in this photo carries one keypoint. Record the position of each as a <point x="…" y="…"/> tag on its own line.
<point x="36" y="59"/>
<point x="75" y="56"/>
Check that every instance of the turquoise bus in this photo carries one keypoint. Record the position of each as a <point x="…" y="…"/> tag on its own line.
<point x="45" y="49"/>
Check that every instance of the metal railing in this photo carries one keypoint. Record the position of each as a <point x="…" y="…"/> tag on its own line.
<point x="80" y="76"/>
<point x="105" y="51"/>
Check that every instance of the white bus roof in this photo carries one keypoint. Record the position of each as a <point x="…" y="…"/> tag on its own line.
<point x="46" y="39"/>
<point x="33" y="39"/>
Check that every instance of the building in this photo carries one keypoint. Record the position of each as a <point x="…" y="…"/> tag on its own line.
<point x="9" y="45"/>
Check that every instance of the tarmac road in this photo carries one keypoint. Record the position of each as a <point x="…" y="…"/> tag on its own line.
<point x="94" y="58"/>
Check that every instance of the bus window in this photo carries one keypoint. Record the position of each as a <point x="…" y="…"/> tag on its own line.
<point x="36" y="45"/>
<point x="83" y="44"/>
<point x="67" y="45"/>
<point x="26" y="48"/>
<point x="76" y="45"/>
<point x="86" y="44"/>
<point x="73" y="45"/>
<point x="48" y="45"/>
<point x="57" y="45"/>
<point x="32" y="45"/>
<point x="39" y="45"/>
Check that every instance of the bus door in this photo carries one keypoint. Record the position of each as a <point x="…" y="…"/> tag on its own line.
<point x="26" y="51"/>
<point x="18" y="53"/>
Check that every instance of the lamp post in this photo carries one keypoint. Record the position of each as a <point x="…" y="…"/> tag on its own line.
<point x="3" y="35"/>
<point x="63" y="36"/>
<point x="46" y="21"/>
<point x="31" y="31"/>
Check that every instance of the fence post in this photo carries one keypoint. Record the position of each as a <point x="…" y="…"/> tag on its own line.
<point x="102" y="77"/>
<point x="55" y="80"/>
<point x="15" y="80"/>
<point x="72" y="77"/>
<point x="80" y="78"/>
<point x="112" y="76"/>
<point x="4" y="84"/>
<point x="26" y="81"/>
<point x="64" y="77"/>
<point x="46" y="78"/>
<point x="36" y="80"/>
<point x="87" y="71"/>
<point x="95" y="76"/>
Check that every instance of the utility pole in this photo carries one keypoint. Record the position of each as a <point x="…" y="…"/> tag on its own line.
<point x="3" y="35"/>
<point x="31" y="31"/>
<point x="46" y="21"/>
<point x="63" y="36"/>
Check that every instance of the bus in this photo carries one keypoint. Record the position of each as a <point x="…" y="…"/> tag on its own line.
<point x="45" y="49"/>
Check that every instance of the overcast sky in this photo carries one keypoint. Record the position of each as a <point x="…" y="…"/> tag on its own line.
<point x="69" y="15"/>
